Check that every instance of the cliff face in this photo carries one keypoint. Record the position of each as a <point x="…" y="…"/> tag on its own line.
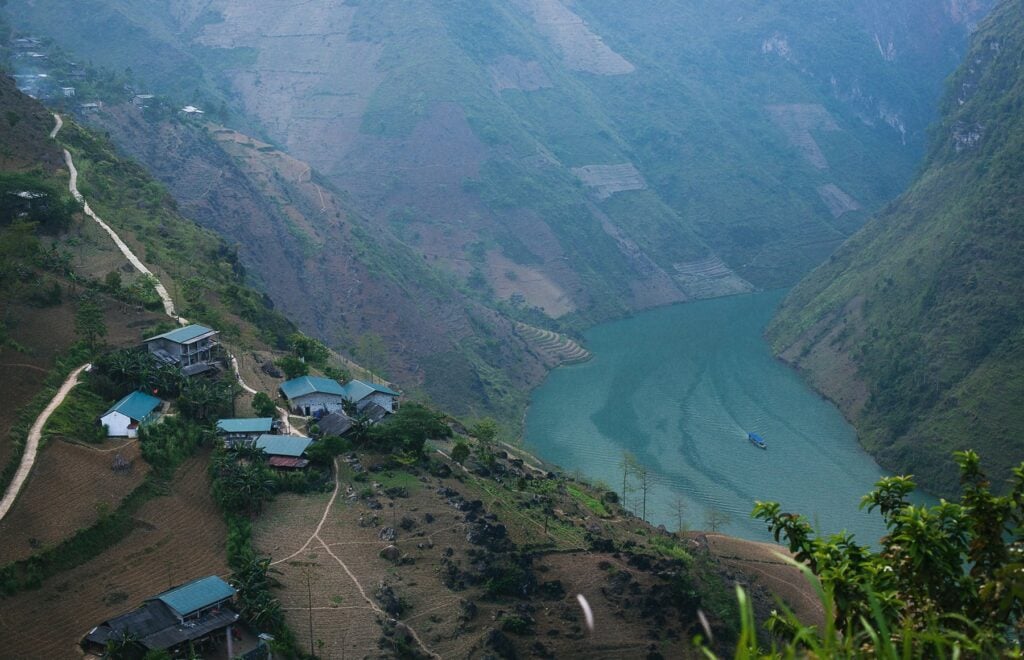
<point x="915" y="327"/>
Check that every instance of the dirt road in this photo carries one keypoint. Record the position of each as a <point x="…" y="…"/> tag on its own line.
<point x="28" y="459"/>
<point x="125" y="250"/>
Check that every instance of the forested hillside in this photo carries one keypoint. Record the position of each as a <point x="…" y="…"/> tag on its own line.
<point x="915" y="327"/>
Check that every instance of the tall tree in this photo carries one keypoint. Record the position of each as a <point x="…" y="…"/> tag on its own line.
<point x="263" y="405"/>
<point x="309" y="349"/>
<point x="629" y="466"/>
<point x="679" y="509"/>
<point x="715" y="519"/>
<point x="641" y="472"/>
<point x="89" y="324"/>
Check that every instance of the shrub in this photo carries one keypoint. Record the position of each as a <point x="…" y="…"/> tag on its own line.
<point x="460" y="452"/>
<point x="263" y="405"/>
<point x="946" y="577"/>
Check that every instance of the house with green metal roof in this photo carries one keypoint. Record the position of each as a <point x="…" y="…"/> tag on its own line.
<point x="193" y="348"/>
<point x="125" y="417"/>
<point x="284" y="451"/>
<point x="283" y="445"/>
<point x="243" y="430"/>
<point x="365" y="394"/>
<point x="193" y="597"/>
<point x="182" y="620"/>
<point x="312" y="395"/>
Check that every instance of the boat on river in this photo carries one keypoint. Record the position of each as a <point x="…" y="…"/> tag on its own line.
<point x="757" y="440"/>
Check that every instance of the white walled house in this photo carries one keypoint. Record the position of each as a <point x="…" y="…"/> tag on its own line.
<point x="309" y="394"/>
<point x="126" y="416"/>
<point x="364" y="394"/>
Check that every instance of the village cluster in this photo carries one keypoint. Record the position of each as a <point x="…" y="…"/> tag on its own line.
<point x="42" y="76"/>
<point x="199" y="613"/>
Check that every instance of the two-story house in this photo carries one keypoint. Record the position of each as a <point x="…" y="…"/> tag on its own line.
<point x="194" y="348"/>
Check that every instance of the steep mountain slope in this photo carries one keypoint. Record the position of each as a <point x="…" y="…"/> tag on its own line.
<point x="330" y="270"/>
<point x="419" y="551"/>
<point x="486" y="161"/>
<point x="623" y="154"/>
<point x="915" y="327"/>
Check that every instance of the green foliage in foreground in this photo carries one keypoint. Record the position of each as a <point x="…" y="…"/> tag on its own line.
<point x="947" y="581"/>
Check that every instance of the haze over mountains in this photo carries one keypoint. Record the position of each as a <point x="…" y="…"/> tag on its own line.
<point x="449" y="167"/>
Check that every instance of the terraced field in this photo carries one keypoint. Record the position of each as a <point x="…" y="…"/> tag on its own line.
<point x="178" y="537"/>
<point x="70" y="487"/>
<point x="553" y="347"/>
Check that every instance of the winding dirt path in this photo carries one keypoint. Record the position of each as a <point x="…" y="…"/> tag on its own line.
<point x="245" y="386"/>
<point x="56" y="128"/>
<point x="22" y="365"/>
<point x="28" y="458"/>
<point x="315" y="536"/>
<point x="125" y="250"/>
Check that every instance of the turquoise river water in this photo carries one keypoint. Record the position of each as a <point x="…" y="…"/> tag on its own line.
<point x="679" y="387"/>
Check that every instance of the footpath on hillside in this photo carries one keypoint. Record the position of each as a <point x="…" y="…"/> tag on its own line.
<point x="31" y="450"/>
<point x="35" y="434"/>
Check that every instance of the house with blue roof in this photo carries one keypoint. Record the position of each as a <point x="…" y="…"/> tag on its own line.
<point x="243" y="430"/>
<point x="194" y="348"/>
<point x="366" y="394"/>
<point x="284" y="451"/>
<point x="313" y="395"/>
<point x="130" y="413"/>
<point x="191" y="618"/>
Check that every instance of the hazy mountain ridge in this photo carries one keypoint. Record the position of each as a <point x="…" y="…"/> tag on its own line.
<point x="915" y="326"/>
<point x="398" y="105"/>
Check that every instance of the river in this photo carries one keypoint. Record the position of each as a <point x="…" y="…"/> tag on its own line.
<point x="679" y="387"/>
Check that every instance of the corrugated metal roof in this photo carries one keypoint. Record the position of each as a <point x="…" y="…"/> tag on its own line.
<point x="136" y="405"/>
<point x="196" y="595"/>
<point x="245" y="425"/>
<point x="304" y="385"/>
<point x="283" y="445"/>
<point x="358" y="390"/>
<point x="190" y="630"/>
<point x="337" y="423"/>
<point x="287" y="462"/>
<point x="184" y="335"/>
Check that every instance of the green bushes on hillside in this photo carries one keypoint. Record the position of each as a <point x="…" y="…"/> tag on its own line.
<point x="408" y="430"/>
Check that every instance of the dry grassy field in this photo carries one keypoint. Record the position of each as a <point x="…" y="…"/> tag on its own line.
<point x="345" y="568"/>
<point x="329" y="551"/>
<point x="762" y="564"/>
<point x="178" y="537"/>
<point x="70" y="486"/>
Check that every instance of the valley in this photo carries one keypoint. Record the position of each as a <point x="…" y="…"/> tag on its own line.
<point x="522" y="328"/>
<point x="432" y="173"/>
